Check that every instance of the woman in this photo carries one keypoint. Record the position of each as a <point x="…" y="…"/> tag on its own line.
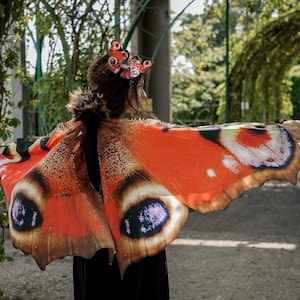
<point x="140" y="202"/>
<point x="114" y="94"/>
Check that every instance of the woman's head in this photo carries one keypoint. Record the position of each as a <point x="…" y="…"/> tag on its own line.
<point x="116" y="82"/>
<point x="119" y="94"/>
<point x="115" y="87"/>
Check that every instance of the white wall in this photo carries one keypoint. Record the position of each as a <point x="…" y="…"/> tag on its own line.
<point x="17" y="95"/>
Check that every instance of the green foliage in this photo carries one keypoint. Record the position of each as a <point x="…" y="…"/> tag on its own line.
<point x="198" y="56"/>
<point x="264" y="46"/>
<point x="76" y="33"/>
<point x="259" y="75"/>
<point x="3" y="225"/>
<point x="50" y="92"/>
<point x="11" y="30"/>
<point x="295" y="91"/>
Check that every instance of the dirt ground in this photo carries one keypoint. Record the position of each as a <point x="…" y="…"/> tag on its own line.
<point x="249" y="251"/>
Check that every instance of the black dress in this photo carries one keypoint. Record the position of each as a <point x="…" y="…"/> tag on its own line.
<point x="96" y="279"/>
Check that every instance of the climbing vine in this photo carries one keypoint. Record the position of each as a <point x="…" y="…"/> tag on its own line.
<point x="259" y="75"/>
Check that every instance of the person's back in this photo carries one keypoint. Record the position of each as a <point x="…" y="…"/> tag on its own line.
<point x="113" y="93"/>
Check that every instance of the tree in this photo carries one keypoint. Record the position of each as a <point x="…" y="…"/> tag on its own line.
<point x="259" y="75"/>
<point x="75" y="33"/>
<point x="295" y="91"/>
<point x="264" y="46"/>
<point x="11" y="33"/>
<point x="198" y="57"/>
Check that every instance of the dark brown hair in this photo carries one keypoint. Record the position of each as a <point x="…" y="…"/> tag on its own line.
<point x="113" y="89"/>
<point x="108" y="94"/>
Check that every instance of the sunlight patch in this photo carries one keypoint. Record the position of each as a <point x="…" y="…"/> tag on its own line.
<point x="230" y="243"/>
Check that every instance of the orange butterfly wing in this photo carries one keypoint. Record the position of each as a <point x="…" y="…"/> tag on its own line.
<point x="209" y="166"/>
<point x="151" y="173"/>
<point x="19" y="158"/>
<point x="53" y="211"/>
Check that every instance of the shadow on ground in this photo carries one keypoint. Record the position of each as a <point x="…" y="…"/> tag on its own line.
<point x="249" y="251"/>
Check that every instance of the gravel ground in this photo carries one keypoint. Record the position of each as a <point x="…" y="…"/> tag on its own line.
<point x="249" y="251"/>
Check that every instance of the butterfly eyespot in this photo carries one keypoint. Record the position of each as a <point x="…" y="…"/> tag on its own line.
<point x="259" y="148"/>
<point x="112" y="61"/>
<point x="151" y="217"/>
<point x="147" y="63"/>
<point x="25" y="215"/>
<point x="148" y="207"/>
<point x="145" y="219"/>
<point x="27" y="203"/>
<point x="116" y="45"/>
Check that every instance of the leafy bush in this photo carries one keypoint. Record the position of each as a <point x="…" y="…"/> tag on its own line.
<point x="3" y="225"/>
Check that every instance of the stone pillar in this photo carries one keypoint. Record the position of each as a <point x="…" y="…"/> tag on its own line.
<point x="151" y="28"/>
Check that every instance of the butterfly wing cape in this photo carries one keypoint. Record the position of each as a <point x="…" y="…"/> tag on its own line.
<point x="151" y="173"/>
